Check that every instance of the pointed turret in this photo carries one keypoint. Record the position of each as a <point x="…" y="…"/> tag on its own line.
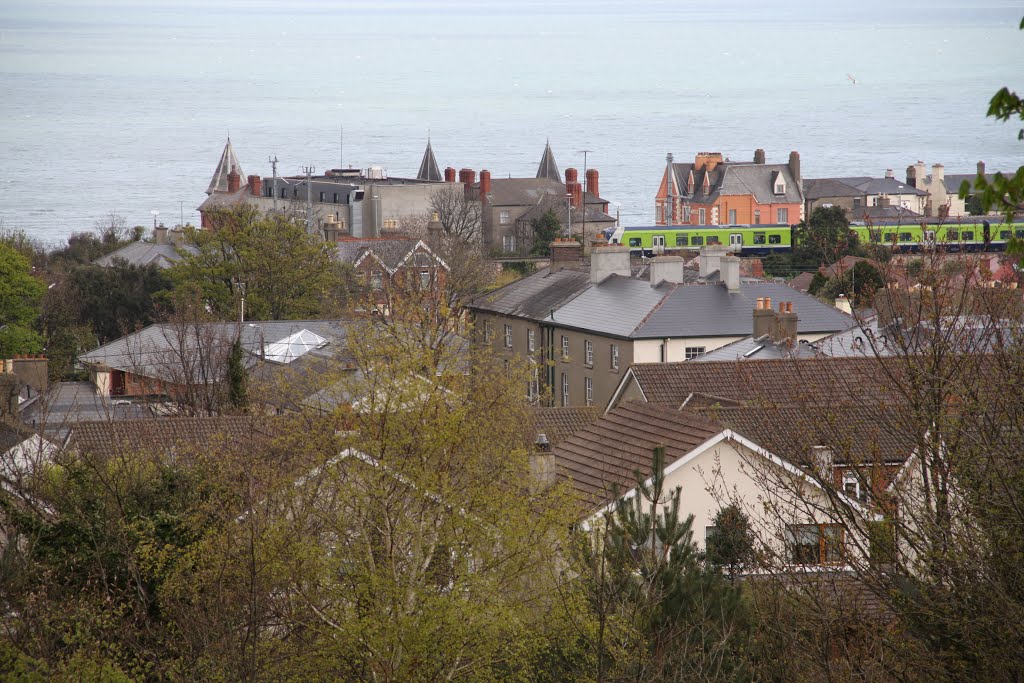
<point x="428" y="167"/>
<point x="548" y="168"/>
<point x="228" y="162"/>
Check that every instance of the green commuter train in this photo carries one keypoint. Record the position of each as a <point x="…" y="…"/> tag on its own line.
<point x="980" y="234"/>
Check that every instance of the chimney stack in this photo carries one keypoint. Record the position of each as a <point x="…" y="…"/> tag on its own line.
<point x="786" y="328"/>
<point x="794" y="167"/>
<point x="255" y="185"/>
<point x="467" y="176"/>
<point x="981" y="168"/>
<point x="666" y="269"/>
<point x="759" y="156"/>
<point x="592" y="182"/>
<point x="911" y="176"/>
<point x="729" y="271"/>
<point x="234" y="180"/>
<point x="611" y="259"/>
<point x="710" y="260"/>
<point x="764" y="318"/>
<point x="449" y="175"/>
<point x="434" y="230"/>
<point x="567" y="254"/>
<point x="938" y="173"/>
<point x="160" y="234"/>
<point x="485" y="184"/>
<point x="888" y="173"/>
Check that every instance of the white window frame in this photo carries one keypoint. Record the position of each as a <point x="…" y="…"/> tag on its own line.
<point x="757" y="217"/>
<point x="508" y="336"/>
<point x="508" y="243"/>
<point x="859" y="489"/>
<point x="732" y="216"/>
<point x="686" y="213"/>
<point x="565" y="389"/>
<point x="531" y="342"/>
<point x="589" y="383"/>
<point x="691" y="352"/>
<point x="565" y="347"/>
<point x="425" y="280"/>
<point x="701" y="217"/>
<point x="504" y="217"/>
<point x="588" y="352"/>
<point x="615" y="356"/>
<point x="487" y="331"/>
<point x="782" y="216"/>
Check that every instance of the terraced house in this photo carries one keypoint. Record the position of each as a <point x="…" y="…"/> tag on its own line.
<point x="581" y="328"/>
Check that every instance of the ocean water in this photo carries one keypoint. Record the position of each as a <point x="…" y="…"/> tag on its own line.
<point x="124" y="106"/>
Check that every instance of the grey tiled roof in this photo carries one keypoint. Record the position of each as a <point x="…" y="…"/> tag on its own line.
<point x="617" y="306"/>
<point x="536" y="295"/>
<point x="711" y="311"/>
<point x="228" y="160"/>
<point x="818" y="188"/>
<point x="547" y="168"/>
<point x="390" y="251"/>
<point x="156" y="350"/>
<point x="144" y="253"/>
<point x="762" y="348"/>
<point x="428" y="167"/>
<point x="739" y="178"/>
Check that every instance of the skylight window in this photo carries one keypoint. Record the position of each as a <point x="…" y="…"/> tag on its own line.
<point x="293" y="346"/>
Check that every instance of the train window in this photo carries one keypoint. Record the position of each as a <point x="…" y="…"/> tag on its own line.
<point x="890" y="237"/>
<point x="634" y="241"/>
<point x="906" y="237"/>
<point x="713" y="239"/>
<point x="968" y="235"/>
<point x="682" y="239"/>
<point x="759" y="238"/>
<point x="697" y="240"/>
<point x="774" y="239"/>
<point x="1019" y="233"/>
<point x="952" y="235"/>
<point x="1004" y="234"/>
<point x="874" y="236"/>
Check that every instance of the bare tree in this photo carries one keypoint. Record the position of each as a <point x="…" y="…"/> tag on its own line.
<point x="460" y="217"/>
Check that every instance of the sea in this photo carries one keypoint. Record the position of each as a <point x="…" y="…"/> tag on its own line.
<point x="123" y="107"/>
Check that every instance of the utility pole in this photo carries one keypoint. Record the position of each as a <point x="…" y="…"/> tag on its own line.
<point x="586" y="188"/>
<point x="568" y="207"/>
<point x="181" y="207"/>
<point x="273" y="165"/>
<point x="309" y="171"/>
<point x="341" y="146"/>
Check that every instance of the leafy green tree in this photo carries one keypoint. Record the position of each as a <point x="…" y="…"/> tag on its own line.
<point x="236" y="377"/>
<point x="731" y="546"/>
<point x="824" y="237"/>
<point x="858" y="284"/>
<point x="287" y="272"/>
<point x="20" y="296"/>
<point x="545" y="230"/>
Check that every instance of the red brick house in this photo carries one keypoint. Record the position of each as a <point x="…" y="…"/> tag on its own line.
<point x="716" y="191"/>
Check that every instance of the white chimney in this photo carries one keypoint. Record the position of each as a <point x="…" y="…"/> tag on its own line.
<point x="666" y="269"/>
<point x="710" y="260"/>
<point x="843" y="304"/>
<point x="729" y="270"/>
<point x="611" y="259"/>
<point x="888" y="173"/>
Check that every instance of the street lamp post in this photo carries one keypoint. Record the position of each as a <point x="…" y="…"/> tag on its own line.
<point x="568" y="209"/>
<point x="155" y="214"/>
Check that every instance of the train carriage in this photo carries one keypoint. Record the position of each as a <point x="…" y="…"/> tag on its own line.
<point x="974" y="234"/>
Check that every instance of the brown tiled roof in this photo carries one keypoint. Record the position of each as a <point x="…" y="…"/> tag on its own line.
<point x="558" y="423"/>
<point x="847" y="380"/>
<point x="170" y="435"/>
<point x="608" y="453"/>
<point x="801" y="282"/>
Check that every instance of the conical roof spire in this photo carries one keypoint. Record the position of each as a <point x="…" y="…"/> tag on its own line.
<point x="548" y="168"/>
<point x="428" y="167"/>
<point x="228" y="160"/>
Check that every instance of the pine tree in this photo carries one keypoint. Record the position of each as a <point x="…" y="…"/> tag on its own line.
<point x="687" y="620"/>
<point x="236" y="378"/>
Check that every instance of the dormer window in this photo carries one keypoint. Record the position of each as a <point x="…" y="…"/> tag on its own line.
<point x="779" y="183"/>
<point x="689" y="183"/>
<point x="707" y="185"/>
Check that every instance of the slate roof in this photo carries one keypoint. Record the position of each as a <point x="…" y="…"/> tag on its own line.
<point x="558" y="423"/>
<point x="820" y="188"/>
<point x="144" y="253"/>
<point x="534" y="296"/>
<point x="428" y="167"/>
<point x="228" y="160"/>
<point x="155" y="350"/>
<point x="630" y="308"/>
<point x="857" y="186"/>
<point x="390" y="251"/>
<point x="607" y="453"/>
<point x="547" y="168"/>
<point x="738" y="178"/>
<point x="617" y="306"/>
<point x="761" y="348"/>
<point x="170" y="436"/>
<point x="711" y="311"/>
